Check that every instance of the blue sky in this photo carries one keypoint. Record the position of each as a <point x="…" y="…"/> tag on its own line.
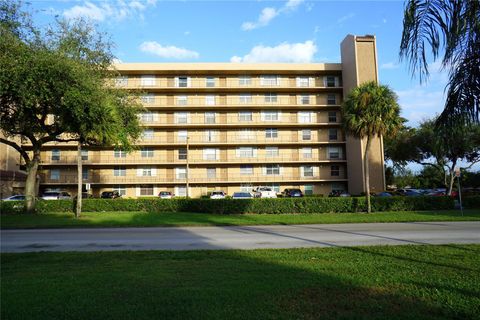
<point x="256" y="31"/>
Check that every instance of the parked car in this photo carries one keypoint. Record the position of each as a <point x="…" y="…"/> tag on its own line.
<point x="242" y="195"/>
<point x="264" y="192"/>
<point x="383" y="194"/>
<point x="218" y="195"/>
<point x="165" y="195"/>
<point x="18" y="197"/>
<point x="110" y="195"/>
<point x="339" y="193"/>
<point x="55" y="195"/>
<point x="292" y="193"/>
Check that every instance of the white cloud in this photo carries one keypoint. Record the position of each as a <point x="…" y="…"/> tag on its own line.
<point x="346" y="17"/>
<point x="269" y="13"/>
<point x="186" y="33"/>
<point x="170" y="52"/>
<point x="108" y="9"/>
<point x="420" y="103"/>
<point x="389" y="66"/>
<point x="285" y="52"/>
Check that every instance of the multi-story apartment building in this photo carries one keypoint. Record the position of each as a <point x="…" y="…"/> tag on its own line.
<point x="233" y="126"/>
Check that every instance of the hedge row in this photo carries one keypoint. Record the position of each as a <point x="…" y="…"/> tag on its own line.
<point x="263" y="206"/>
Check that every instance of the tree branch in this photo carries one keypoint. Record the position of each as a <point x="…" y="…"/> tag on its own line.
<point x="15" y="146"/>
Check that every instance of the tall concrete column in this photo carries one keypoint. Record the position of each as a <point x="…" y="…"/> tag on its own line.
<point x="359" y="65"/>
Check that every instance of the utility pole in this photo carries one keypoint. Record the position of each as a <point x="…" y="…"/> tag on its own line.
<point x="187" y="170"/>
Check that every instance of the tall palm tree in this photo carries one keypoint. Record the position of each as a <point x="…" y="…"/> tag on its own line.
<point x="370" y="111"/>
<point x="431" y="27"/>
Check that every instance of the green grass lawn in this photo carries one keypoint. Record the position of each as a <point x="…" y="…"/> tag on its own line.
<point x="144" y="219"/>
<point x="396" y="282"/>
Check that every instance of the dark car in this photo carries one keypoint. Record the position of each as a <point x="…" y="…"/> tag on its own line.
<point x="110" y="195"/>
<point x="292" y="193"/>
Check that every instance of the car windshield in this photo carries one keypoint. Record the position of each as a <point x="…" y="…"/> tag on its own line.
<point x="264" y="189"/>
<point x="217" y="193"/>
<point x="164" y="193"/>
<point x="241" y="194"/>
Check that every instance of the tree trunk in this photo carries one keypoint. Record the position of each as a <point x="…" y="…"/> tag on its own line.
<point x="31" y="183"/>
<point x="452" y="177"/>
<point x="78" y="208"/>
<point x="367" y="176"/>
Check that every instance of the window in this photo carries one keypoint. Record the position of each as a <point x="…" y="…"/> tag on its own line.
<point x="182" y="135"/>
<point x="145" y="172"/>
<point x="304" y="99"/>
<point x="246" y="169"/>
<point x="55" y="174"/>
<point x="84" y="154"/>
<point x="303" y="82"/>
<point x="181" y="191"/>
<point x="245" y="98"/>
<point x="330" y="81"/>
<point x="84" y="173"/>
<point x="55" y="155"/>
<point x="307" y="153"/>
<point x="307" y="171"/>
<point x="210" y="100"/>
<point x="270" y="97"/>
<point x="271" y="133"/>
<point x="245" y="134"/>
<point x="146" y="152"/>
<point x="182" y="154"/>
<point x="182" y="100"/>
<point x="181" y="173"/>
<point x="271" y="152"/>
<point x="275" y="187"/>
<point x="147" y="80"/>
<point x="211" y="173"/>
<point x="182" y="82"/>
<point x="246" y="187"/>
<point x="181" y="117"/>
<point x="119" y="154"/>
<point x="211" y="135"/>
<point x="269" y="80"/>
<point x="209" y="117"/>
<point x="245" y="116"/>
<point x="120" y="189"/>
<point x="331" y="99"/>
<point x="146" y="117"/>
<point x="148" y="98"/>
<point x="332" y="116"/>
<point x="308" y="189"/>
<point x="146" y="190"/>
<point x="304" y="117"/>
<point x="270" y="115"/>
<point x="148" y="134"/>
<point x="244" y="80"/>
<point x="246" y="152"/>
<point x="332" y="134"/>
<point x="338" y="187"/>
<point x="210" y="154"/>
<point x="121" y="81"/>
<point x="334" y="152"/>
<point x="210" y="82"/>
<point x="119" y="171"/>
<point x="335" y="171"/>
<point x="272" y="169"/>
<point x="306" y="134"/>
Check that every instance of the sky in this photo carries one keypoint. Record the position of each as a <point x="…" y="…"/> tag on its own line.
<point x="256" y="31"/>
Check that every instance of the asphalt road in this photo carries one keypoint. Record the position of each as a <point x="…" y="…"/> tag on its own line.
<point x="246" y="237"/>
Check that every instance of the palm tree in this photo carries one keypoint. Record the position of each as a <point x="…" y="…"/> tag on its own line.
<point x="371" y="110"/>
<point x="451" y="27"/>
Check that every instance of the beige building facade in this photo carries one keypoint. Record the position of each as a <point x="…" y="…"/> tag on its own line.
<point x="232" y="127"/>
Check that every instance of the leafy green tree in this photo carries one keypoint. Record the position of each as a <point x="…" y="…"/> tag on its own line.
<point x="54" y="87"/>
<point x="450" y="28"/>
<point x="440" y="147"/>
<point x="370" y="111"/>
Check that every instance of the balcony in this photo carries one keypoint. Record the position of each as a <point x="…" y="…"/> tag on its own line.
<point x="194" y="179"/>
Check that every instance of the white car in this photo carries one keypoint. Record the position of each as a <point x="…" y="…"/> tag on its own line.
<point x="55" y="195"/>
<point x="165" y="195"/>
<point x="264" y="192"/>
<point x="218" y="195"/>
<point x="18" y="197"/>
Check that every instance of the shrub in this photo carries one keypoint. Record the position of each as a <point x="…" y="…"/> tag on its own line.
<point x="471" y="202"/>
<point x="238" y="206"/>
